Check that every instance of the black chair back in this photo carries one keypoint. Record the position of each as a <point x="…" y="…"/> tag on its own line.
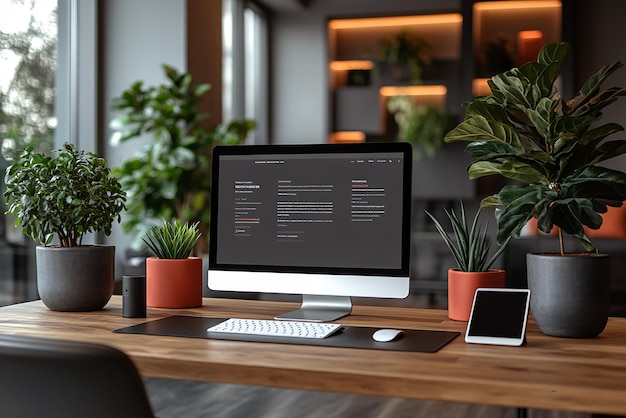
<point x="52" y="378"/>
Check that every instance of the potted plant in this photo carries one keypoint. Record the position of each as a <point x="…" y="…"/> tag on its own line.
<point x="170" y="176"/>
<point x="66" y="197"/>
<point x="173" y="278"/>
<point x="470" y="248"/>
<point x="551" y="148"/>
<point x="423" y="125"/>
<point x="409" y="54"/>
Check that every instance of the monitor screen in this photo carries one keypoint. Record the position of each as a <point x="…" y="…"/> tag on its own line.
<point x="321" y="219"/>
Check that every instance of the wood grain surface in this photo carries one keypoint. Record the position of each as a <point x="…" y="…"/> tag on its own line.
<point x="585" y="375"/>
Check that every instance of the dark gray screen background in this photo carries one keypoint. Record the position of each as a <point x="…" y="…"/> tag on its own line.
<point x="342" y="243"/>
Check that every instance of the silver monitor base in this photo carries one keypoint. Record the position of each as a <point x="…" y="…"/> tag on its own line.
<point x="319" y="309"/>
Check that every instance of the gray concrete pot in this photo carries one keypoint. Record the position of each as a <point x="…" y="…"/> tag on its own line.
<point x="76" y="278"/>
<point x="570" y="295"/>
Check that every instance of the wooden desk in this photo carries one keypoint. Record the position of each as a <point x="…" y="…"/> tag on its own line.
<point x="548" y="373"/>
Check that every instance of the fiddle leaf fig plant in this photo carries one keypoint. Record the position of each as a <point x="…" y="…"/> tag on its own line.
<point x="68" y="195"/>
<point x="169" y="177"/>
<point x="551" y="147"/>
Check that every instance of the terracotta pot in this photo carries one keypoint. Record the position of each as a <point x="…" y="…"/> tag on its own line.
<point x="570" y="295"/>
<point x="174" y="283"/>
<point x="461" y="288"/>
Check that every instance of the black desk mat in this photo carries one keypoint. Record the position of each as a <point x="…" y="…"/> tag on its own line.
<point x="351" y="337"/>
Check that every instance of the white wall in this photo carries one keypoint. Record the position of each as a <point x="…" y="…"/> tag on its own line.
<point x="136" y="38"/>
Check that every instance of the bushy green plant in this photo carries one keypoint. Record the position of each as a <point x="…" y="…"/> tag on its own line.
<point x="68" y="195"/>
<point x="470" y="246"/>
<point x="405" y="48"/>
<point x="169" y="177"/>
<point x="528" y="133"/>
<point x="172" y="240"/>
<point x="423" y="125"/>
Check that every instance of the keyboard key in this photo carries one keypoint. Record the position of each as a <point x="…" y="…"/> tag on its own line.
<point x="275" y="328"/>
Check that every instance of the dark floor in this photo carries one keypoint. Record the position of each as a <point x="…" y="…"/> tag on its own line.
<point x="180" y="399"/>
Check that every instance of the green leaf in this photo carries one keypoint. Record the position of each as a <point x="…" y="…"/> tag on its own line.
<point x="511" y="89"/>
<point x="580" y="104"/>
<point x="66" y="196"/>
<point x="173" y="239"/>
<point x="477" y="128"/>
<point x="553" y="53"/>
<point x="488" y="149"/>
<point x="487" y="110"/>
<point x="201" y="89"/>
<point x="595" y="182"/>
<point x="543" y="116"/>
<point x="518" y="203"/>
<point x="514" y="170"/>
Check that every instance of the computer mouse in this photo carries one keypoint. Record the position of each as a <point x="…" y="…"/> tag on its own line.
<point x="386" y="335"/>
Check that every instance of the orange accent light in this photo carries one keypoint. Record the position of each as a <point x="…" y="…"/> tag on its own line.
<point x="510" y="5"/>
<point x="395" y="21"/>
<point x="529" y="43"/>
<point x="436" y="90"/>
<point x="346" y="136"/>
<point x="480" y="87"/>
<point x="351" y="65"/>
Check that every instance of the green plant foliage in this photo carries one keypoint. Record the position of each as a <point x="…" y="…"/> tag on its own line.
<point x="526" y="132"/>
<point x="422" y="125"/>
<point x="67" y="196"/>
<point x="470" y="247"/>
<point x="406" y="48"/>
<point x="170" y="177"/>
<point x="172" y="240"/>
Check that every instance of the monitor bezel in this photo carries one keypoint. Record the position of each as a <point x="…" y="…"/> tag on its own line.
<point x="396" y="147"/>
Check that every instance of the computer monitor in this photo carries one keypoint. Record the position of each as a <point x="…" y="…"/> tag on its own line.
<point x="325" y="221"/>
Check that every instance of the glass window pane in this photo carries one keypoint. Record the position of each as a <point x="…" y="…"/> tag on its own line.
<point x="28" y="58"/>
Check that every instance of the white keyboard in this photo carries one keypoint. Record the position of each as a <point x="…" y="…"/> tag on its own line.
<point x="275" y="328"/>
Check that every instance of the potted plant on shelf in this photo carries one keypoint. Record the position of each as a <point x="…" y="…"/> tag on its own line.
<point x="66" y="197"/>
<point x="173" y="278"/>
<point x="170" y="176"/>
<point x="470" y="248"/>
<point x="551" y="147"/>
<point x="409" y="54"/>
<point x="423" y="125"/>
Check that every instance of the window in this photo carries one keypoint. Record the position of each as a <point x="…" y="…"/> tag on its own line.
<point x="28" y="66"/>
<point x="43" y="103"/>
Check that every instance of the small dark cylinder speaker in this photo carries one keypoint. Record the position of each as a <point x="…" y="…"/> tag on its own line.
<point x="134" y="296"/>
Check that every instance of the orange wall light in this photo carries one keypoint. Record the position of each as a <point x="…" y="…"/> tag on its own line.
<point x="346" y="136"/>
<point x="351" y="65"/>
<point x="437" y="90"/>
<point x="435" y="19"/>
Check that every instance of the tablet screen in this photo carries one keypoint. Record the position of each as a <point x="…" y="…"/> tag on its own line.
<point x="498" y="316"/>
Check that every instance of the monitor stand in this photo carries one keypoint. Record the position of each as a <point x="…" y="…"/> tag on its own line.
<point x="319" y="309"/>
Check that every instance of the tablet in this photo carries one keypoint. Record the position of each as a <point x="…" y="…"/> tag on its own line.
<point x="498" y="316"/>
